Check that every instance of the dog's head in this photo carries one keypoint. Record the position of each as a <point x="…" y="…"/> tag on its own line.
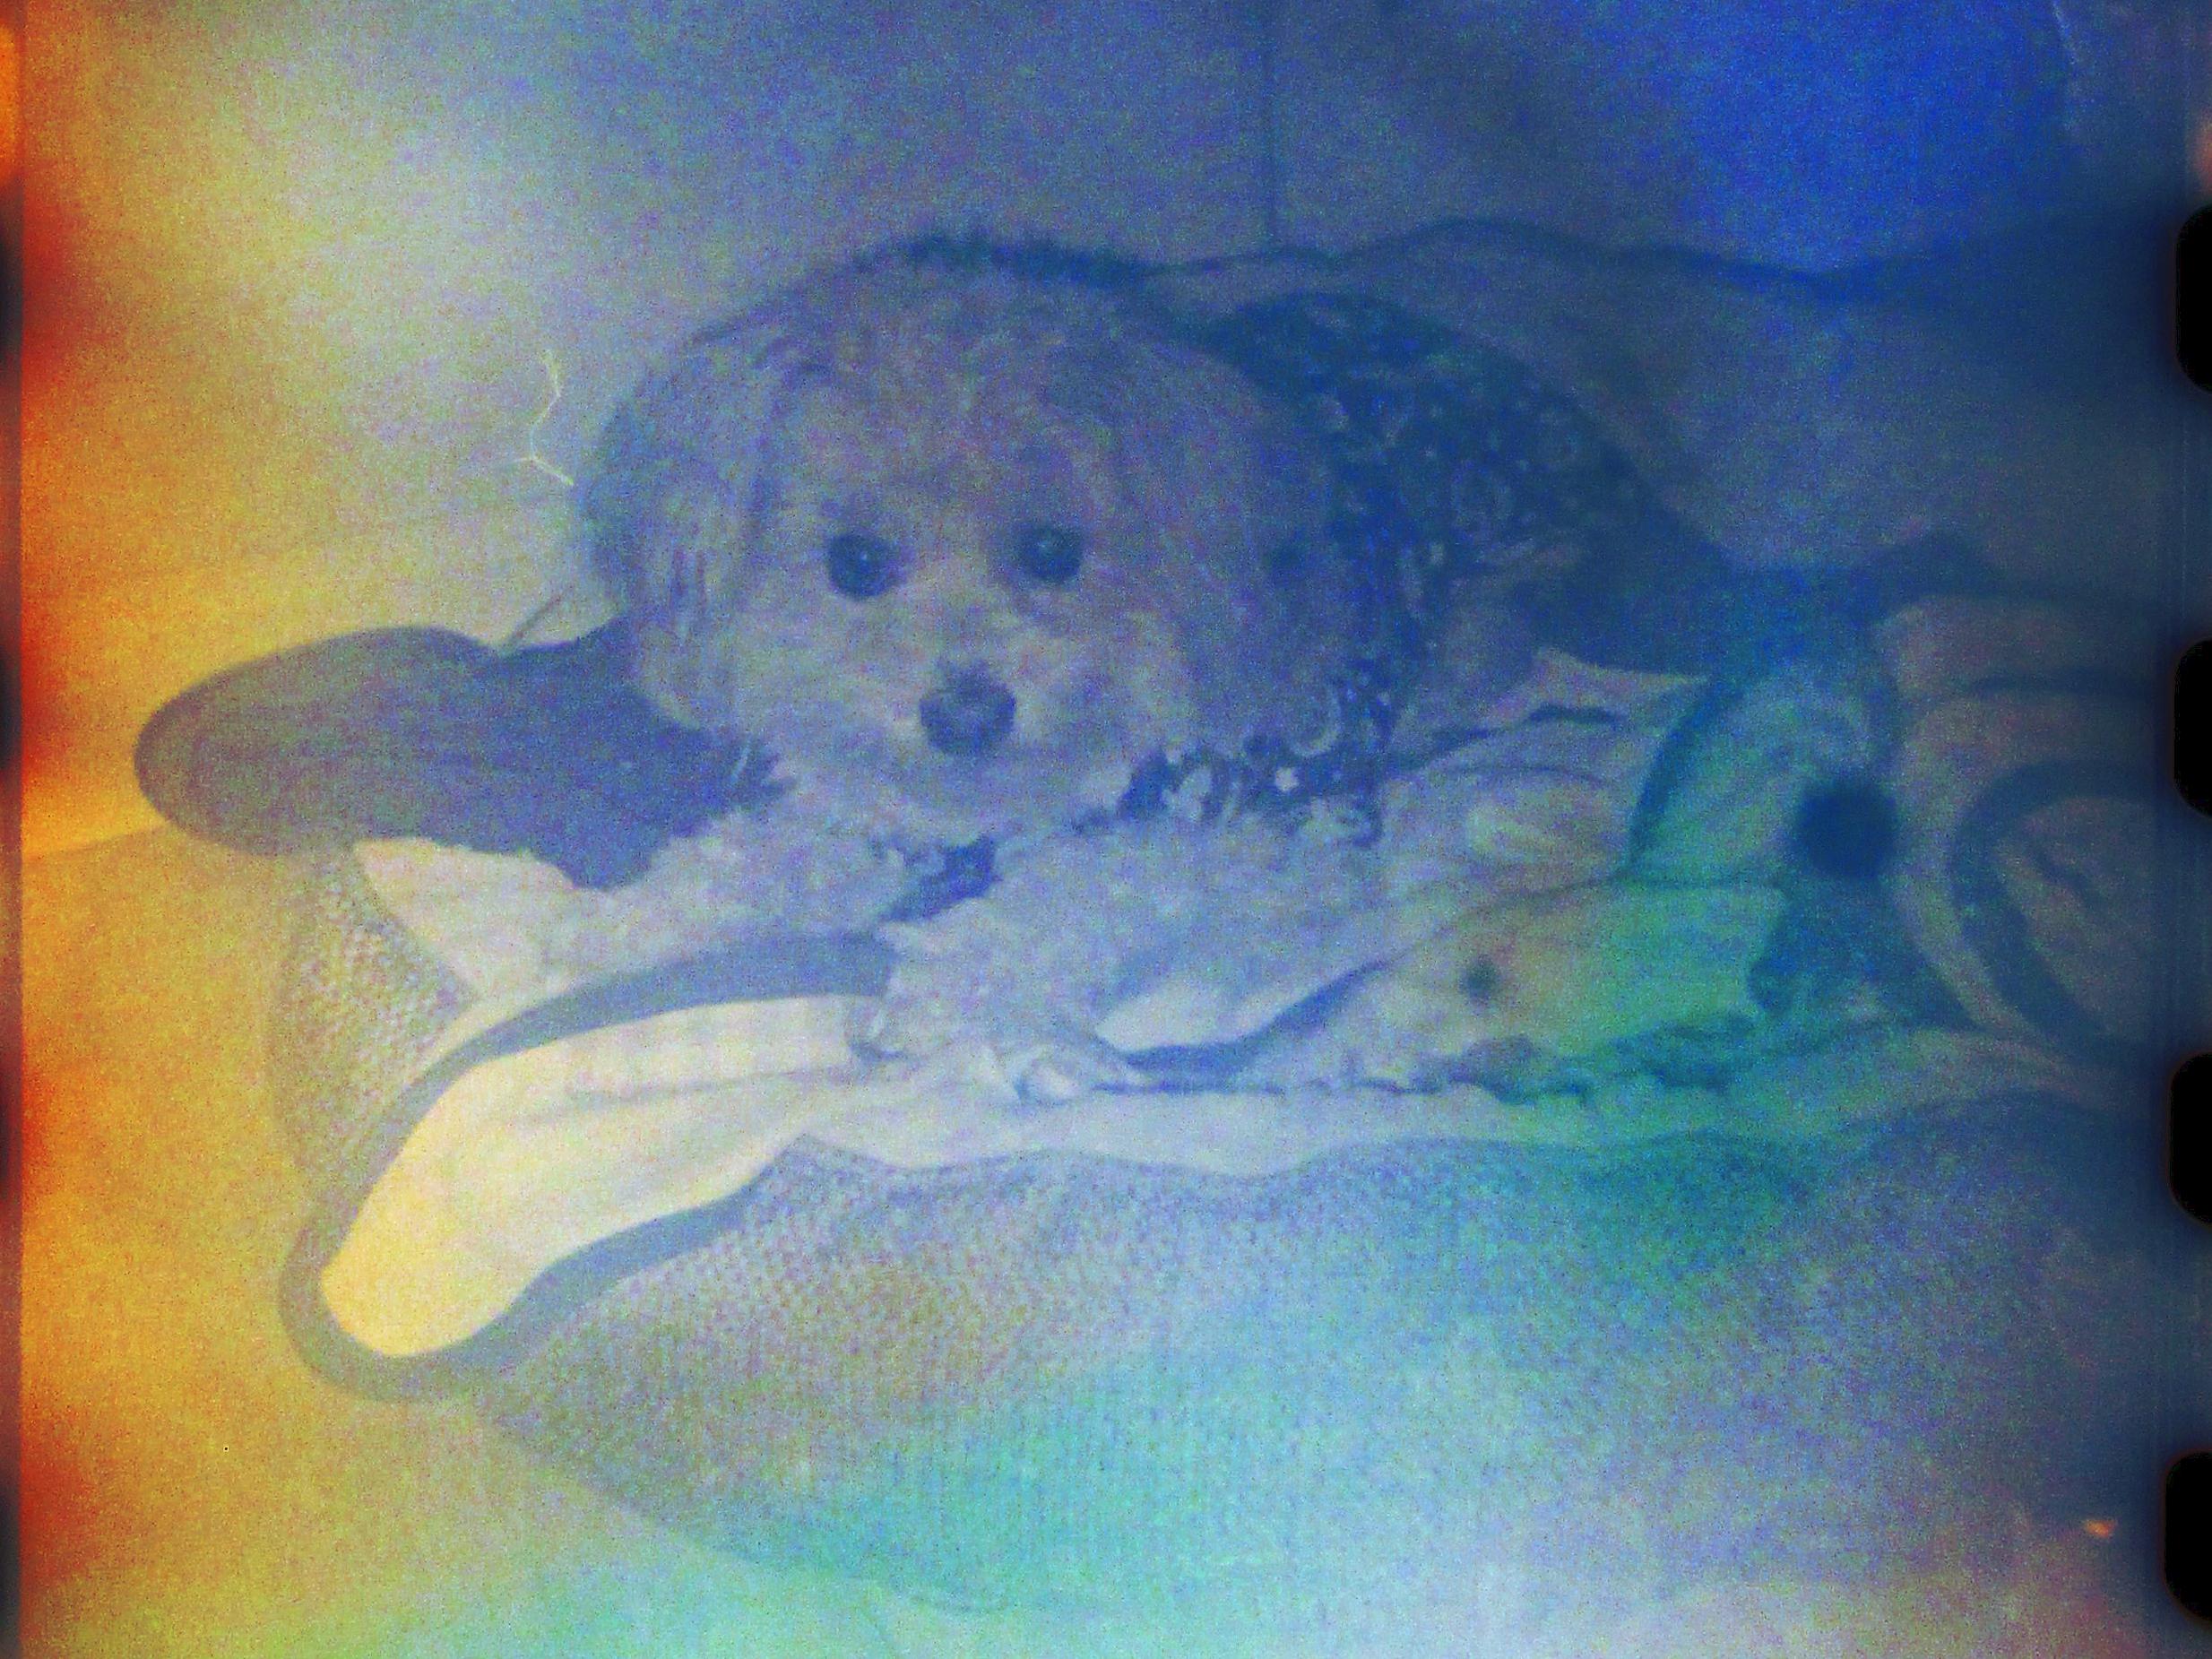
<point x="963" y="547"/>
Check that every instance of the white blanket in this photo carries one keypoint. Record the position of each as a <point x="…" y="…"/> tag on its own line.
<point x="1236" y="998"/>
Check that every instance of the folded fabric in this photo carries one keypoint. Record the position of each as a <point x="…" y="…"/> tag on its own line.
<point x="1960" y="802"/>
<point x="1229" y="999"/>
<point x="2028" y="807"/>
<point x="419" y="731"/>
<point x="531" y="1157"/>
<point x="527" y="1159"/>
<point x="515" y="1156"/>
<point x="1545" y="983"/>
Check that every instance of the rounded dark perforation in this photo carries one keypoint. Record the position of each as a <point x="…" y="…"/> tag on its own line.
<point x="2185" y="1554"/>
<point x="2192" y="298"/>
<point x="2192" y="727"/>
<point x="2188" y="1136"/>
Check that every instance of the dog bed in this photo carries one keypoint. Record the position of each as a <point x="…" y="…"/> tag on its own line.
<point x="1690" y="1143"/>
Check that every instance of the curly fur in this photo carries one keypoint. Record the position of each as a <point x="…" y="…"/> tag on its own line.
<point x="948" y="402"/>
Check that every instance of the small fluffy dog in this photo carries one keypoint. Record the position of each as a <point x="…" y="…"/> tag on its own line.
<point x="963" y="542"/>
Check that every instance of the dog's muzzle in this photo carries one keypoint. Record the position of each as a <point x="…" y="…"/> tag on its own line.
<point x="970" y="714"/>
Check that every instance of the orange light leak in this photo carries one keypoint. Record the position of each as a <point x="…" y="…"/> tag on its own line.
<point x="10" y="106"/>
<point x="2100" y="1526"/>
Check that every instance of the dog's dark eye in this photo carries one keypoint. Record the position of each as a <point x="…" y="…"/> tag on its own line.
<point x="1049" y="554"/>
<point x="861" y="567"/>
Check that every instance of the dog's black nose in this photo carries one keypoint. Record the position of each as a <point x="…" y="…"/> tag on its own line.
<point x="971" y="713"/>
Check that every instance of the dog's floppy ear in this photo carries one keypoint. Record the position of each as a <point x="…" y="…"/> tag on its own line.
<point x="678" y="485"/>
